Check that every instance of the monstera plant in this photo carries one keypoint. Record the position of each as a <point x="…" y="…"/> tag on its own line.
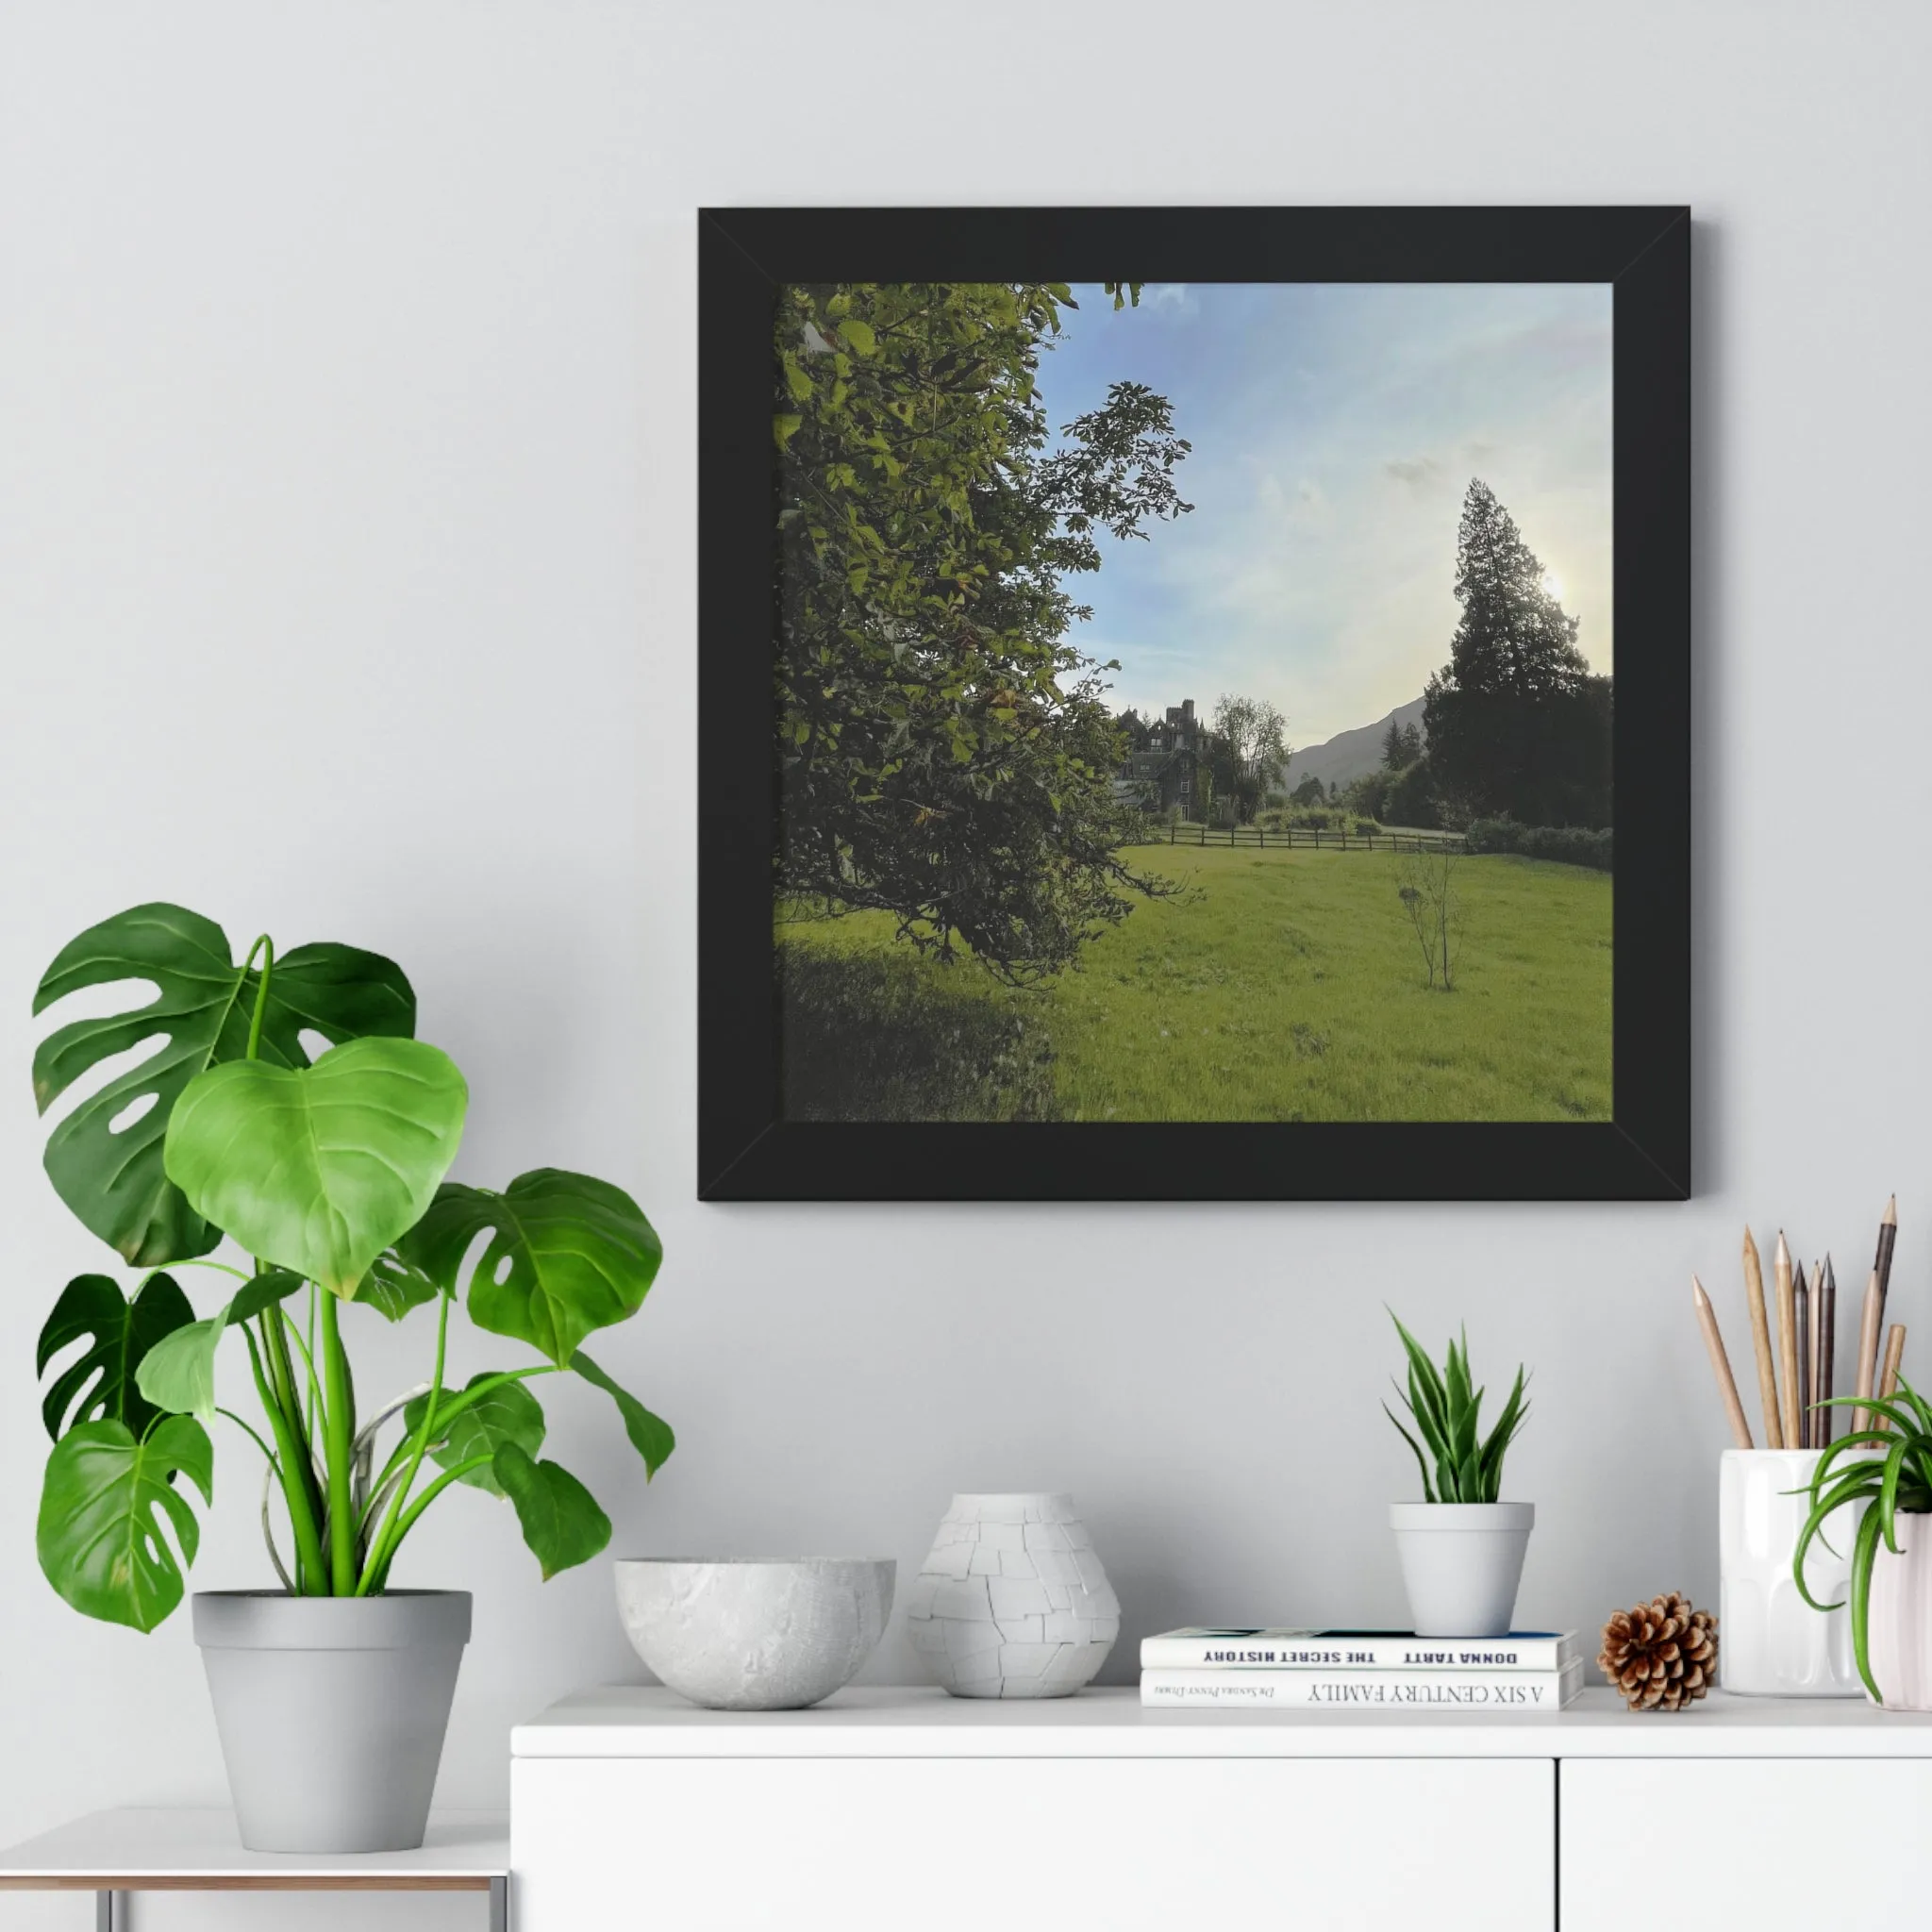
<point x="327" y="1174"/>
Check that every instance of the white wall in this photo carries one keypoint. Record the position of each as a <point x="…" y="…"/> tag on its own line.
<point x="346" y="430"/>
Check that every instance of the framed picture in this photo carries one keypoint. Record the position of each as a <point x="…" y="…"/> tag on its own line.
<point x="1219" y="734"/>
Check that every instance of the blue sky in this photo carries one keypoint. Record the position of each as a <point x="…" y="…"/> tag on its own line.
<point x="1335" y="429"/>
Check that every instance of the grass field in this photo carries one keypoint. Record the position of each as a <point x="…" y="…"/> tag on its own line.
<point x="1275" y="986"/>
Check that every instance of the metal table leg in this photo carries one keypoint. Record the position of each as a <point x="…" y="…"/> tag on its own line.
<point x="499" y="1905"/>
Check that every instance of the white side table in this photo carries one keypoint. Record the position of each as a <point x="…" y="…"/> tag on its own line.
<point x="113" y="1853"/>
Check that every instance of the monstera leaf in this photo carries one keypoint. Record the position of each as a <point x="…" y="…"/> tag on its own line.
<point x="560" y="1519"/>
<point x="264" y="1291"/>
<point x="100" y="1535"/>
<point x="649" y="1435"/>
<point x="394" y="1286"/>
<point x="122" y="1333"/>
<point x="318" y="1169"/>
<point x="508" y="1413"/>
<point x="114" y="1182"/>
<point x="178" y="1375"/>
<point x="568" y="1255"/>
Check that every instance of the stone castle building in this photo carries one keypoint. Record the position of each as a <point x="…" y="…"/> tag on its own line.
<point x="1173" y="770"/>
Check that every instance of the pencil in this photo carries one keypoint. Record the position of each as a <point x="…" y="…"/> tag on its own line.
<point x="1868" y="1353"/>
<point x="1814" y="1338"/>
<point x="1801" y="1327"/>
<point x="1881" y="1262"/>
<point x="1786" y="1341"/>
<point x="1720" y="1365"/>
<point x="1760" y="1340"/>
<point x="1888" y="1384"/>
<point x="1825" y="1300"/>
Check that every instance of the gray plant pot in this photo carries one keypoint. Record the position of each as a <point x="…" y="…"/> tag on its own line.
<point x="1462" y="1563"/>
<point x="331" y="1711"/>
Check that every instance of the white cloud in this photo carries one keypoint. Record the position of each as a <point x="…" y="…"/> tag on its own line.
<point x="1418" y="472"/>
<point x="1170" y="301"/>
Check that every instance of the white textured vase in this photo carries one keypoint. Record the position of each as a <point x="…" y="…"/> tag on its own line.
<point x="1461" y="1563"/>
<point x="1771" y="1642"/>
<point x="1012" y="1601"/>
<point x="1898" y="1622"/>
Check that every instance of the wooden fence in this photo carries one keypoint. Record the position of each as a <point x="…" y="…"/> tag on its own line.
<point x="1337" y="839"/>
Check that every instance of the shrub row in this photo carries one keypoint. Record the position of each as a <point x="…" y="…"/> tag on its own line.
<point x="1315" y="819"/>
<point x="1569" y="844"/>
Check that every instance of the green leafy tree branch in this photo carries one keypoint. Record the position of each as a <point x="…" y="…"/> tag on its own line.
<point x="944" y="753"/>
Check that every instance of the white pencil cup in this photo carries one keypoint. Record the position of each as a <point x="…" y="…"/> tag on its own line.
<point x="1771" y="1642"/>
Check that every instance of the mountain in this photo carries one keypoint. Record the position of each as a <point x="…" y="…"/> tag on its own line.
<point x="1349" y="754"/>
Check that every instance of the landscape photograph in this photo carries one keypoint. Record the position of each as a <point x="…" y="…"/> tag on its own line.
<point x="1193" y="702"/>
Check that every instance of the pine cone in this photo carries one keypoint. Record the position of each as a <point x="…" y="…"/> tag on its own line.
<point x="1661" y="1655"/>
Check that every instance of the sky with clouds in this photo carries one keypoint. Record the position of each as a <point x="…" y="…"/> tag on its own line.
<point x="1335" y="428"/>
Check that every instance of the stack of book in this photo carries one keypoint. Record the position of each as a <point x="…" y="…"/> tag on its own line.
<point x="1359" y="1670"/>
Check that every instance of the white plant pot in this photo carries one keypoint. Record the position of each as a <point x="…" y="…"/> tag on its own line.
<point x="1898" y="1623"/>
<point x="1771" y="1642"/>
<point x="1461" y="1563"/>
<point x="1012" y="1601"/>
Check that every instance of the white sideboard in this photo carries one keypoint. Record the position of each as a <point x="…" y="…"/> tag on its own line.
<point x="908" y="1807"/>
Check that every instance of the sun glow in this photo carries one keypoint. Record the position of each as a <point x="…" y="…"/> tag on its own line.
<point x="1553" y="586"/>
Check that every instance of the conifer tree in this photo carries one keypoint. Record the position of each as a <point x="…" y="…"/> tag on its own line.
<point x="1517" y="723"/>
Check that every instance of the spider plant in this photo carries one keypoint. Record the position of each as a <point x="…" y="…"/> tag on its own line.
<point x="1898" y="1483"/>
<point x="1446" y="1409"/>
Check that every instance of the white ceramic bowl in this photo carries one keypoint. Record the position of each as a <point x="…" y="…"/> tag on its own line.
<point x="752" y="1635"/>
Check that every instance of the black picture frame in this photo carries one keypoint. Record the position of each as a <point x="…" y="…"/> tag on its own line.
<point x="747" y="1151"/>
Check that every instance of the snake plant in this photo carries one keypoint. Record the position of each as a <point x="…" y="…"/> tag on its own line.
<point x="1446" y="1409"/>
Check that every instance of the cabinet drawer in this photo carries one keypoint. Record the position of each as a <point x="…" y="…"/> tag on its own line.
<point x="965" y="1845"/>
<point x="1744" y="1842"/>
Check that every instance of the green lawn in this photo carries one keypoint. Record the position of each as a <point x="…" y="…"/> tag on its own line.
<point x="1276" y="986"/>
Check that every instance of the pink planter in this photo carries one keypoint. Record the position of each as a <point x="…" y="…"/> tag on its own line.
<point x="1900" y="1620"/>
